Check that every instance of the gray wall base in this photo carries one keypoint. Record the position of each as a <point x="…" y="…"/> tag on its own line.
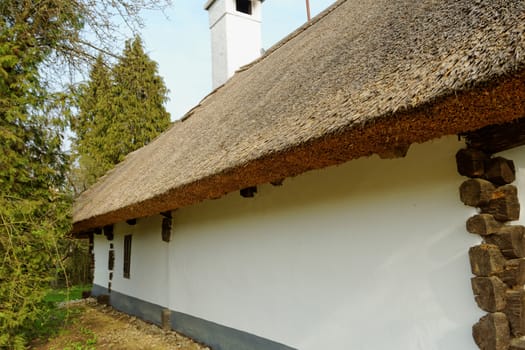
<point x="216" y="336"/>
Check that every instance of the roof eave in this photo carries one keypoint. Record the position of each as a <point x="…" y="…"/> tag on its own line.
<point x="453" y="114"/>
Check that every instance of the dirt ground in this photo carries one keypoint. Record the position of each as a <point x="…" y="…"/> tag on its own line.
<point x="102" y="327"/>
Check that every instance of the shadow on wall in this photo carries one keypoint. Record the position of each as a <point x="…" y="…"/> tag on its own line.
<point x="363" y="181"/>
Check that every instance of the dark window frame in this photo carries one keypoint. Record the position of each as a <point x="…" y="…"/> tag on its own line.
<point x="111" y="260"/>
<point x="127" y="256"/>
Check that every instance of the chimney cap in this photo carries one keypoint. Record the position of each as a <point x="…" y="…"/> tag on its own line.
<point x="210" y="2"/>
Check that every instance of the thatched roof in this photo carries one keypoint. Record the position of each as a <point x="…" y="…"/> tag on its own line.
<point x="363" y="77"/>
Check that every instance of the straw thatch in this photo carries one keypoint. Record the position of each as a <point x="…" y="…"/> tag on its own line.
<point x="364" y="77"/>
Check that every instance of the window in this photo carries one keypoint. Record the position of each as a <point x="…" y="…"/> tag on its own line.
<point x="244" y="6"/>
<point x="127" y="255"/>
<point x="166" y="229"/>
<point x="111" y="260"/>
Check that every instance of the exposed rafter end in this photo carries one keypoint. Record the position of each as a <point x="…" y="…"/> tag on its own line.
<point x="249" y="192"/>
<point x="398" y="151"/>
<point x="496" y="138"/>
<point x="278" y="182"/>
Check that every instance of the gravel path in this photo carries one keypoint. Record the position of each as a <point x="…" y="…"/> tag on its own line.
<point x="102" y="327"/>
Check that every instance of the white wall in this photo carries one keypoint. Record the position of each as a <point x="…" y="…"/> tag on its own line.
<point x="149" y="261"/>
<point x="101" y="251"/>
<point x="368" y="255"/>
<point x="371" y="254"/>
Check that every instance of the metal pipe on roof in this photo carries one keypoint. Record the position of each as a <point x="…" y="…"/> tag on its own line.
<point x="308" y="10"/>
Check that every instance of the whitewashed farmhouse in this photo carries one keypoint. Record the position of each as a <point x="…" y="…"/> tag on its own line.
<point x="355" y="187"/>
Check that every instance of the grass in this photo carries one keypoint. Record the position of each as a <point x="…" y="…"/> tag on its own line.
<point x="53" y="318"/>
<point x="87" y="344"/>
<point x="64" y="294"/>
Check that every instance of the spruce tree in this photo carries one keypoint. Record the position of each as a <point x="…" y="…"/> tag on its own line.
<point x="140" y="95"/>
<point x="121" y="113"/>
<point x="91" y="126"/>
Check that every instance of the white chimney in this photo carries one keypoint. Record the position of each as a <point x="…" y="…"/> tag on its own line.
<point x="235" y="27"/>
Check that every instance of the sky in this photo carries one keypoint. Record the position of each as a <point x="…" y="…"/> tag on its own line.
<point x="179" y="41"/>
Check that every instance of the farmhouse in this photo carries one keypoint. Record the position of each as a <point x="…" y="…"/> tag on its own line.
<point x="355" y="187"/>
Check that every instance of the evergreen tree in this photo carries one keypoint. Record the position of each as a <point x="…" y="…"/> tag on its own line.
<point x="119" y="114"/>
<point x="34" y="205"/>
<point x="32" y="167"/>
<point x="140" y="95"/>
<point x="91" y="125"/>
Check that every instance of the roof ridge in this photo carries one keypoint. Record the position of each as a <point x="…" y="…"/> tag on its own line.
<point x="268" y="53"/>
<point x="293" y="35"/>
